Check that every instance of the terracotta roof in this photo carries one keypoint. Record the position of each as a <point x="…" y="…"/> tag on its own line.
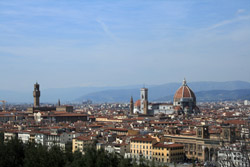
<point x="82" y="138"/>
<point x="68" y="115"/>
<point x="118" y="129"/>
<point x="167" y="145"/>
<point x="240" y="122"/>
<point x="184" y="92"/>
<point x="137" y="103"/>
<point x="142" y="139"/>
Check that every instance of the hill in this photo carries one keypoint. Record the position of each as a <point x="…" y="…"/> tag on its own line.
<point x="216" y="95"/>
<point x="165" y="92"/>
<point x="121" y="93"/>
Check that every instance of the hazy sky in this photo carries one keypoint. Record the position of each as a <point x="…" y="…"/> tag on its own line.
<point x="65" y="43"/>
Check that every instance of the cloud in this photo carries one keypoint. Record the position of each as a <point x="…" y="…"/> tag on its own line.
<point x="239" y="11"/>
<point x="226" y="22"/>
<point x="106" y="29"/>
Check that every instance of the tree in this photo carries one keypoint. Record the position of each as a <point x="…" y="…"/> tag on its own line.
<point x="36" y="155"/>
<point x="12" y="153"/>
<point x="56" y="157"/>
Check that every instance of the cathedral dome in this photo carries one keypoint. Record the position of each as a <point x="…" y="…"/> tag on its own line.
<point x="184" y="92"/>
<point x="137" y="103"/>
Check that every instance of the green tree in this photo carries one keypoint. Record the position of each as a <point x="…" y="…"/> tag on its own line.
<point x="36" y="155"/>
<point x="12" y="153"/>
<point x="56" y="157"/>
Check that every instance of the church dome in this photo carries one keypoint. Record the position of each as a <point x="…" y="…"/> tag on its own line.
<point x="137" y="103"/>
<point x="184" y="92"/>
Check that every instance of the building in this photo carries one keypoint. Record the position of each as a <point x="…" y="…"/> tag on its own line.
<point x="142" y="146"/>
<point x="65" y="117"/>
<point x="131" y="106"/>
<point x="184" y="103"/>
<point x="64" y="108"/>
<point x="36" y="94"/>
<point x="152" y="149"/>
<point x="80" y="143"/>
<point x="118" y="131"/>
<point x="37" y="108"/>
<point x="201" y="145"/>
<point x="8" y="135"/>
<point x="185" y="100"/>
<point x="144" y="100"/>
<point x="246" y="102"/>
<point x="165" y="108"/>
<point x="234" y="155"/>
<point x="168" y="152"/>
<point x="24" y="136"/>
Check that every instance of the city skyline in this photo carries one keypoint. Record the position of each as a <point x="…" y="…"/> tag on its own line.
<point x="69" y="44"/>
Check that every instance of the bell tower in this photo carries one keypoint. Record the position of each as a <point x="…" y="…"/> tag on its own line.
<point x="36" y="95"/>
<point x="131" y="107"/>
<point x="144" y="100"/>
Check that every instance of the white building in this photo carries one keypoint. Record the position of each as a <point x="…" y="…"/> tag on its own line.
<point x="50" y="139"/>
<point x="37" y="117"/>
<point x="234" y="155"/>
<point x="246" y="102"/>
<point x="165" y="108"/>
<point x="40" y="138"/>
<point x="24" y="136"/>
<point x="9" y="135"/>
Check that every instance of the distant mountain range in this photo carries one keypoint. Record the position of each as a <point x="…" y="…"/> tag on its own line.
<point x="216" y="95"/>
<point x="205" y="91"/>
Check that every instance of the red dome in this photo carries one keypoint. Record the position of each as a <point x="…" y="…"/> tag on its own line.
<point x="184" y="92"/>
<point x="137" y="103"/>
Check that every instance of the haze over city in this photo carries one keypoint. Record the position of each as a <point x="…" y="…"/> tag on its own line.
<point x="113" y="43"/>
<point x="135" y="83"/>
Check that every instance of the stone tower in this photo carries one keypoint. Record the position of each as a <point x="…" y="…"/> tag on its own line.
<point x="58" y="103"/>
<point x="202" y="131"/>
<point x="131" y="107"/>
<point x="144" y="100"/>
<point x="145" y="108"/>
<point x="36" y="94"/>
<point x="228" y="134"/>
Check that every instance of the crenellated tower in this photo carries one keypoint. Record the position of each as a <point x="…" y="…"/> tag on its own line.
<point x="131" y="107"/>
<point x="36" y="95"/>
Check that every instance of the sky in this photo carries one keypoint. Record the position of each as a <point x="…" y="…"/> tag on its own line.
<point x="62" y="43"/>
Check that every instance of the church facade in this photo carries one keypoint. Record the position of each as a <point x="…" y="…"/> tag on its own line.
<point x="184" y="102"/>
